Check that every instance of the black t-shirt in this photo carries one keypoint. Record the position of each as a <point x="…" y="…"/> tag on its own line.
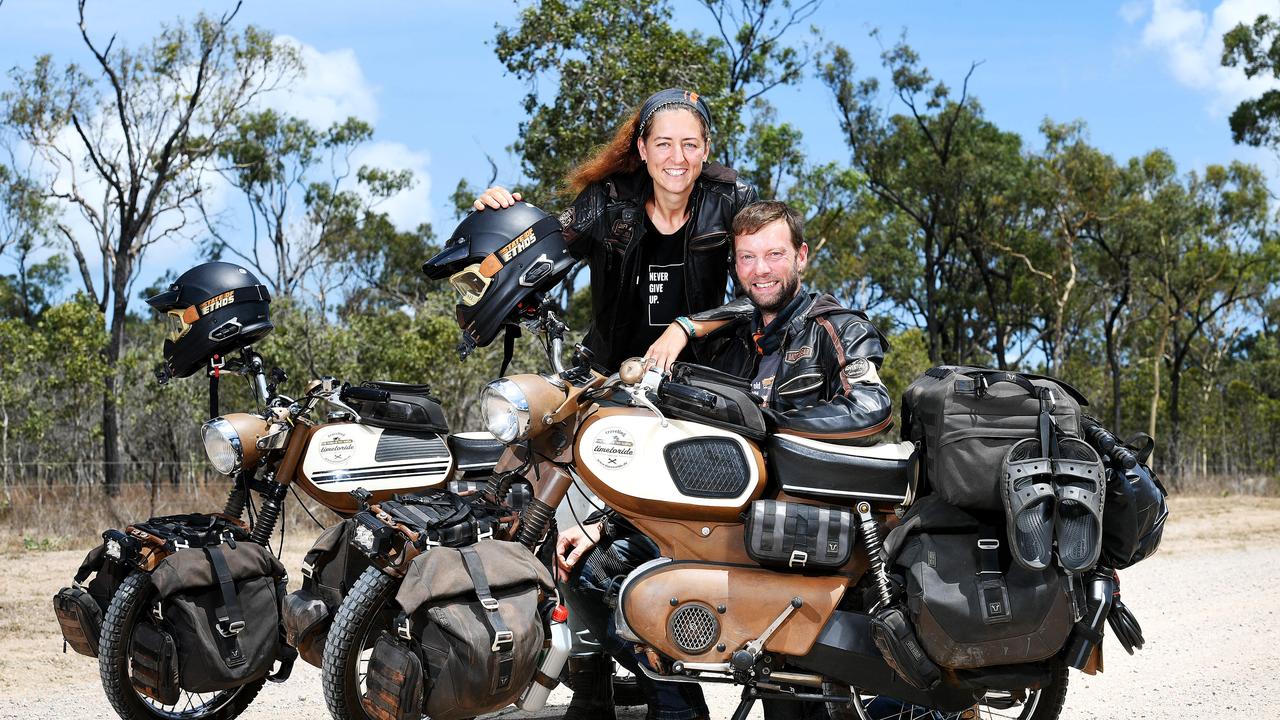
<point x="658" y="293"/>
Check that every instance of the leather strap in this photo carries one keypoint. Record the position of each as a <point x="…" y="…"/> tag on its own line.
<point x="230" y="617"/>
<point x="503" y="639"/>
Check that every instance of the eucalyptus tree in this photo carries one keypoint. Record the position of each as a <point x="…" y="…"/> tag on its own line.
<point x="124" y="146"/>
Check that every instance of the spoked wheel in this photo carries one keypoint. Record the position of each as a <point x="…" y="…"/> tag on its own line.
<point x="128" y="608"/>
<point x="364" y="613"/>
<point x="1043" y="704"/>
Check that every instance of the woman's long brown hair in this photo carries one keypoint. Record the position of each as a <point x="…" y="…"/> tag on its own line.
<point x="619" y="155"/>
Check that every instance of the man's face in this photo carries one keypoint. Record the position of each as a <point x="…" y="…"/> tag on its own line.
<point x="768" y="266"/>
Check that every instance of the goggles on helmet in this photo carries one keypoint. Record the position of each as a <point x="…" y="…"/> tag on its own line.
<point x="179" y="322"/>
<point x="470" y="284"/>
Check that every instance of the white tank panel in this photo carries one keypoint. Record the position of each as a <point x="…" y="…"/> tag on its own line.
<point x="626" y="453"/>
<point x="346" y="456"/>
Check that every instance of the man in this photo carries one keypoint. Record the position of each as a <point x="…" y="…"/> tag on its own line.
<point x="812" y="362"/>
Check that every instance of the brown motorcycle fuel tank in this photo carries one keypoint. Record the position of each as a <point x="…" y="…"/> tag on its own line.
<point x="681" y="470"/>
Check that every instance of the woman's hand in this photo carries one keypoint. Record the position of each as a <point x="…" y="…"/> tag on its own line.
<point x="496" y="198"/>
<point x="667" y="347"/>
<point x="573" y="542"/>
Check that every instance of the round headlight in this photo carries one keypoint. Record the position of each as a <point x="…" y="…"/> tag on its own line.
<point x="222" y="445"/>
<point x="506" y="410"/>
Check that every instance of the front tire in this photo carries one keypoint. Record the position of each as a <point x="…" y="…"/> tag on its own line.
<point x="1043" y="704"/>
<point x="129" y="607"/>
<point x="351" y="636"/>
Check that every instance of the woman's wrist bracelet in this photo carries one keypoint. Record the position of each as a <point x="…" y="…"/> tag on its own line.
<point x="688" y="326"/>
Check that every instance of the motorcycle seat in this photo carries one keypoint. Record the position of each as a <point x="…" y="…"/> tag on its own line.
<point x="842" y="474"/>
<point x="475" y="452"/>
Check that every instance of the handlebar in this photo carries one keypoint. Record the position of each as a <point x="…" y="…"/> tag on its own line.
<point x="1103" y="440"/>
<point x="364" y="394"/>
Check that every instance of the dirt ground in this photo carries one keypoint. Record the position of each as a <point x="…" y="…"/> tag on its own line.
<point x="1209" y="604"/>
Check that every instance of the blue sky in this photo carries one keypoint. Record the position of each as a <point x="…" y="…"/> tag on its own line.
<point x="1142" y="74"/>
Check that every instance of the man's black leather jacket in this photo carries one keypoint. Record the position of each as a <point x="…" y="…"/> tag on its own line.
<point x="827" y="386"/>
<point x="605" y="224"/>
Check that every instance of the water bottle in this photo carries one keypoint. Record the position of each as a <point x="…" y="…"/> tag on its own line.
<point x="535" y="696"/>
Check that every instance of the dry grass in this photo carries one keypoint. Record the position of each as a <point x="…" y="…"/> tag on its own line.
<point x="66" y="517"/>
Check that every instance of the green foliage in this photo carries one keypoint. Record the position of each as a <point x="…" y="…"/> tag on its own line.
<point x="1255" y="49"/>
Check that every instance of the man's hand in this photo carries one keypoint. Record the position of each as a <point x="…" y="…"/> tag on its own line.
<point x="496" y="197"/>
<point x="667" y="347"/>
<point x="572" y="543"/>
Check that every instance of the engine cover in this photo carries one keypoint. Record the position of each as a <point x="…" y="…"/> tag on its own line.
<point x="703" y="612"/>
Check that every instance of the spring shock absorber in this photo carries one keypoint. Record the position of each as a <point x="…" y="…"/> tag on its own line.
<point x="870" y="532"/>
<point x="534" y="522"/>
<point x="266" y="523"/>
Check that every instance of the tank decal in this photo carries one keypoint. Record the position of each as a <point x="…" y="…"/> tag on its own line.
<point x="343" y="456"/>
<point x="380" y="473"/>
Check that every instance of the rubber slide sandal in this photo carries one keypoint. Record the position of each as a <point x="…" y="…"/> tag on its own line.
<point x="1078" y="479"/>
<point x="1028" y="504"/>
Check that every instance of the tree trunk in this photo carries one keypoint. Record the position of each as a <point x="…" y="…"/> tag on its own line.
<point x="113" y="471"/>
<point x="1156" y="358"/>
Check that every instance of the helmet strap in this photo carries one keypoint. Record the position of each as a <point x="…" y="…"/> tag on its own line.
<point x="215" y="371"/>
<point x="508" y="347"/>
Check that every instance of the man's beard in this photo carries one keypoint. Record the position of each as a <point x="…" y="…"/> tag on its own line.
<point x="790" y="286"/>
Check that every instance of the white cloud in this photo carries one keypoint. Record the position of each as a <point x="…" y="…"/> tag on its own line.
<point x="411" y="207"/>
<point x="1191" y="42"/>
<point x="332" y="88"/>
<point x="1133" y="11"/>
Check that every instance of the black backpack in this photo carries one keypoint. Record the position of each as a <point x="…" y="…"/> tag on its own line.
<point x="967" y="418"/>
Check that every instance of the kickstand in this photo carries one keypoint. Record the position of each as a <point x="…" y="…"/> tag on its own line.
<point x="744" y="707"/>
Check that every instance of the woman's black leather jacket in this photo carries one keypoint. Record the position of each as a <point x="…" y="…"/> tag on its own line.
<point x="605" y="224"/>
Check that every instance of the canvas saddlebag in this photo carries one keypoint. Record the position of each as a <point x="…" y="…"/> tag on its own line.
<point x="411" y="407"/>
<point x="220" y="605"/>
<point x="967" y="418"/>
<point x="971" y="605"/>
<point x="329" y="570"/>
<point x="80" y="608"/>
<point x="468" y="637"/>
<point x="794" y="536"/>
<point x="722" y="400"/>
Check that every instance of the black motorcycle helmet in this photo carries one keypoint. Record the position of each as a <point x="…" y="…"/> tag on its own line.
<point x="500" y="262"/>
<point x="212" y="309"/>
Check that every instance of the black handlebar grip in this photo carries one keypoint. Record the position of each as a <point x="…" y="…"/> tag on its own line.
<point x="690" y="394"/>
<point x="1105" y="442"/>
<point x="366" y="394"/>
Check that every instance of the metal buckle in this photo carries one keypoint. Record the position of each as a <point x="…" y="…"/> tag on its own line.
<point x="307" y="570"/>
<point x="180" y="544"/>
<point x="988" y="544"/>
<point x="486" y="534"/>
<point x="798" y="558"/>
<point x="403" y="629"/>
<point x="501" y="638"/>
<point x="232" y="629"/>
<point x="156" y="612"/>
<point x="490" y="604"/>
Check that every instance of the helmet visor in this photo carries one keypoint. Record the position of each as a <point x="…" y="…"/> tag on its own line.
<point x="470" y="284"/>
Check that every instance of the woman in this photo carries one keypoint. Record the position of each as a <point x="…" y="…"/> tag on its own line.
<point x="652" y="217"/>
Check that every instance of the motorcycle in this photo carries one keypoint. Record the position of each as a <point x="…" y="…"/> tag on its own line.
<point x="323" y="444"/>
<point x="683" y="463"/>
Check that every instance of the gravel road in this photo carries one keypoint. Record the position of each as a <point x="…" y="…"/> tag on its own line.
<point x="1209" y="604"/>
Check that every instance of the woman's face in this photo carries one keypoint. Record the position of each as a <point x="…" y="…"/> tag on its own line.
<point x="674" y="150"/>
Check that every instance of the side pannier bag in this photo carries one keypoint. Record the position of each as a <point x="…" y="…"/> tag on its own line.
<point x="221" y="604"/>
<point x="794" y="536"/>
<point x="329" y="570"/>
<point x="967" y="418"/>
<point x="971" y="605"/>
<point x="470" y="615"/>
<point x="80" y="609"/>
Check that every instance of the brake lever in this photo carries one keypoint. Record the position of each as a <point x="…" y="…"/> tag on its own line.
<point x="640" y="393"/>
